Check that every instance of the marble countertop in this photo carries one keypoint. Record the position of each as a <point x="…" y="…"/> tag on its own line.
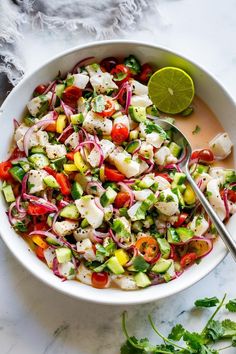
<point x="35" y="319"/>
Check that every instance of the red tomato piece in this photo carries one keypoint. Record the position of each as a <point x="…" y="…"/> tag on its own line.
<point x="181" y="219"/>
<point x="164" y="175"/>
<point x="36" y="209"/>
<point x="4" y="171"/>
<point x="121" y="73"/>
<point x="42" y="226"/>
<point x="99" y="280"/>
<point x="51" y="127"/>
<point x="113" y="175"/>
<point x="205" y="155"/>
<point x="146" y="72"/>
<point x="232" y="195"/>
<point x="109" y="108"/>
<point x="70" y="156"/>
<point x="16" y="154"/>
<point x="39" y="252"/>
<point x="71" y="95"/>
<point x="122" y="200"/>
<point x="64" y="183"/>
<point x="109" y="63"/>
<point x="50" y="170"/>
<point x="188" y="259"/>
<point x="148" y="247"/>
<point x="39" y="90"/>
<point x="119" y="133"/>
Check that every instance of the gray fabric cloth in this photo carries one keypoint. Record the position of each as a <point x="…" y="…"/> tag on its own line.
<point x="102" y="18"/>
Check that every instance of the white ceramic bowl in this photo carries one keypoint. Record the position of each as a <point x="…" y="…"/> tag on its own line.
<point x="206" y="87"/>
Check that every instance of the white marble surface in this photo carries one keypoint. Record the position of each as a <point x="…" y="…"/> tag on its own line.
<point x="35" y="319"/>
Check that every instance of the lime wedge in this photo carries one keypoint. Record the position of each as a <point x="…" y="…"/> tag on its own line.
<point x="171" y="90"/>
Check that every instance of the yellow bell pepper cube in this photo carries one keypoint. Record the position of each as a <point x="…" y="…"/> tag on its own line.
<point x="189" y="195"/>
<point x="79" y="163"/>
<point x="61" y="123"/>
<point x="122" y="256"/>
<point x="70" y="167"/>
<point x="39" y="242"/>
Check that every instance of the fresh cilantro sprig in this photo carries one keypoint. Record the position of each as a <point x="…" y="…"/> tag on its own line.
<point x="193" y="342"/>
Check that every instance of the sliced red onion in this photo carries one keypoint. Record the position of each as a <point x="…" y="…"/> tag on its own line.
<point x="149" y="162"/>
<point x="50" y="86"/>
<point x="83" y="135"/>
<point x="14" y="219"/>
<point x="119" y="244"/>
<point x="16" y="123"/>
<point x="129" y="181"/>
<point x="55" y="269"/>
<point x="41" y="202"/>
<point x="82" y="62"/>
<point x="53" y="98"/>
<point x="121" y="91"/>
<point x="172" y="166"/>
<point x="24" y="184"/>
<point x="67" y="109"/>
<point x="96" y="146"/>
<point x="66" y="131"/>
<point x="30" y="131"/>
<point x="99" y="188"/>
<point x="128" y="190"/>
<point x="18" y="206"/>
<point x="62" y="204"/>
<point x="98" y="204"/>
<point x="54" y="221"/>
<point x="199" y="239"/>
<point x="135" y="253"/>
<point x="155" y="259"/>
<point x="226" y="204"/>
<point x="183" y="157"/>
<point x="128" y="97"/>
<point x="101" y="234"/>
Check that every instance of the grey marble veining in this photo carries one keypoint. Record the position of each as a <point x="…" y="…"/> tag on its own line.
<point x="35" y="319"/>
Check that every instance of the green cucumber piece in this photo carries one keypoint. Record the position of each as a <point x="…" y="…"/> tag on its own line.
<point x="17" y="173"/>
<point x="175" y="149"/>
<point x="59" y="90"/>
<point x="37" y="150"/>
<point x="172" y="236"/>
<point x="108" y="197"/>
<point x="29" y="121"/>
<point x="179" y="178"/>
<point x="57" y="164"/>
<point x="76" y="191"/>
<point x="84" y="223"/>
<point x="164" y="247"/>
<point x="114" y="266"/>
<point x="51" y="241"/>
<point x="132" y="146"/>
<point x="51" y="182"/>
<point x="77" y="118"/>
<point x="162" y="265"/>
<point x="184" y="233"/>
<point x="63" y="254"/>
<point x="137" y="114"/>
<point x="39" y="160"/>
<point x="8" y="193"/>
<point x="142" y="280"/>
<point x="70" y="212"/>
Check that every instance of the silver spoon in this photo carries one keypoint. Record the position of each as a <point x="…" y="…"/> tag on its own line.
<point x="181" y="140"/>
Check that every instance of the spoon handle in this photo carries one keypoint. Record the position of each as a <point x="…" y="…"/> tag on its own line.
<point x="220" y="227"/>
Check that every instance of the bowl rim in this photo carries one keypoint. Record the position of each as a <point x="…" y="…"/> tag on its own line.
<point x="114" y="301"/>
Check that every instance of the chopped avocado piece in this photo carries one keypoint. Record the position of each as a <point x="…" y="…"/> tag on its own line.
<point x="76" y="190"/>
<point x="77" y="118"/>
<point x="108" y="197"/>
<point x="70" y="212"/>
<point x="164" y="247"/>
<point x="132" y="146"/>
<point x="63" y="254"/>
<point x="59" y="90"/>
<point x="184" y="233"/>
<point x="50" y="219"/>
<point x="17" y="173"/>
<point x="153" y="111"/>
<point x="142" y="280"/>
<point x="138" y="114"/>
<point x="172" y="236"/>
<point x="175" y="149"/>
<point x="114" y="265"/>
<point x="84" y="223"/>
<point x="39" y="160"/>
<point x="162" y="265"/>
<point x="51" y="182"/>
<point x="37" y="150"/>
<point x="8" y="193"/>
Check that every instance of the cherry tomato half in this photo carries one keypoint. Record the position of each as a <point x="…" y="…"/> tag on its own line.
<point x="122" y="200"/>
<point x="109" y="63"/>
<point x="39" y="252"/>
<point x="148" y="247"/>
<point x="113" y="175"/>
<point x="232" y="195"/>
<point x="188" y="259"/>
<point x="36" y="209"/>
<point x="121" y="73"/>
<point x="181" y="219"/>
<point x="205" y="155"/>
<point x="4" y="171"/>
<point x="164" y="175"/>
<point x="39" y="90"/>
<point x="109" y="108"/>
<point x="146" y="72"/>
<point x="99" y="280"/>
<point x="119" y="133"/>
<point x="71" y="95"/>
<point x="50" y="170"/>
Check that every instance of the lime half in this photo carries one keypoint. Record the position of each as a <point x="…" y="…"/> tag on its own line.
<point x="171" y="90"/>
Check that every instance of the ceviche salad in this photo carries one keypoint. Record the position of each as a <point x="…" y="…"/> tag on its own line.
<point x="93" y="182"/>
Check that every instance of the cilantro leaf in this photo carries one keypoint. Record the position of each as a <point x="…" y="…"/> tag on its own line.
<point x="165" y="348"/>
<point x="98" y="104"/>
<point x="20" y="226"/>
<point x="234" y="341"/>
<point x="229" y="328"/>
<point x="194" y="340"/>
<point x="152" y="127"/>
<point x="128" y="348"/>
<point x="140" y="264"/>
<point x="231" y="305"/>
<point x="177" y="332"/>
<point x="207" y="302"/>
<point x="196" y="130"/>
<point x="215" y="330"/>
